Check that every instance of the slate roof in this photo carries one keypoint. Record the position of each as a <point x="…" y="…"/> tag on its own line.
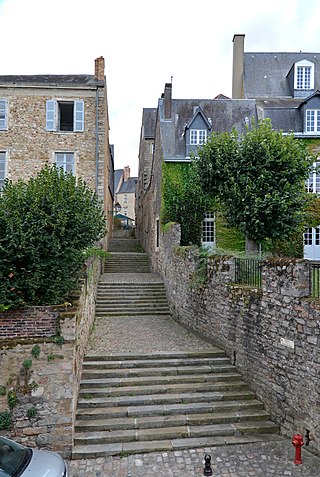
<point x="117" y="176"/>
<point x="265" y="74"/>
<point x="223" y="114"/>
<point x="149" y="118"/>
<point x="50" y="80"/>
<point x="128" y="186"/>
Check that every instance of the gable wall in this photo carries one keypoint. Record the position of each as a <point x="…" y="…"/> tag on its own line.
<point x="30" y="147"/>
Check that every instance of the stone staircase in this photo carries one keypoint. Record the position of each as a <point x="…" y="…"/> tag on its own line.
<point x="127" y="262"/>
<point x="116" y="299"/>
<point x="136" y="402"/>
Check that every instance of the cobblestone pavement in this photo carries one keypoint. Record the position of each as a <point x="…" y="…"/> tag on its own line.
<point x="146" y="334"/>
<point x="161" y="333"/>
<point x="259" y="460"/>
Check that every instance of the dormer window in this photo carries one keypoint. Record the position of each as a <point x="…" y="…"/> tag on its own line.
<point x="313" y="121"/>
<point x="304" y="75"/>
<point x="198" y="137"/>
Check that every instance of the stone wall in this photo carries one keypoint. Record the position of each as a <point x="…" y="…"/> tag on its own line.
<point x="41" y="372"/>
<point x="270" y="333"/>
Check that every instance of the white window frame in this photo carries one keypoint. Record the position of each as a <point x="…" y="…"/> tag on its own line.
<point x="208" y="230"/>
<point x="312" y="121"/>
<point x="63" y="164"/>
<point x="198" y="137"/>
<point x="3" y="160"/>
<point x="306" y="68"/>
<point x="3" y="114"/>
<point x="312" y="184"/>
<point x="52" y="115"/>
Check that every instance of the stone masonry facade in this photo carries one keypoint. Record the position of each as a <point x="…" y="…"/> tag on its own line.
<point x="270" y="333"/>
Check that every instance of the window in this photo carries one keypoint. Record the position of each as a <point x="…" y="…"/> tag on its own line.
<point x="3" y="114"/>
<point x="313" y="181"/>
<point x="304" y="75"/>
<point x="208" y="231"/>
<point x="65" y="161"/>
<point x="312" y="236"/>
<point x="313" y="120"/>
<point x="198" y="137"/>
<point x="65" y="116"/>
<point x="2" y="168"/>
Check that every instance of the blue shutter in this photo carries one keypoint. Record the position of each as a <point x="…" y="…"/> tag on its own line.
<point x="78" y="116"/>
<point x="3" y="114"/>
<point x="51" y="114"/>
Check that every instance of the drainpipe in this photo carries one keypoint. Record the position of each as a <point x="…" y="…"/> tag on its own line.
<point x="97" y="139"/>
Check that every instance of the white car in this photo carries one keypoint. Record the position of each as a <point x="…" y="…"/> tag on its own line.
<point x="19" y="461"/>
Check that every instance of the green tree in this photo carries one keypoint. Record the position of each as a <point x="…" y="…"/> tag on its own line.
<point x="45" y="225"/>
<point x="258" y="179"/>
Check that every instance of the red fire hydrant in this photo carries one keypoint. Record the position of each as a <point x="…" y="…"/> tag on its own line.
<point x="297" y="442"/>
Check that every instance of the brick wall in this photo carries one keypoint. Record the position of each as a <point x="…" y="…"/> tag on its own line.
<point x="272" y="334"/>
<point x="36" y="322"/>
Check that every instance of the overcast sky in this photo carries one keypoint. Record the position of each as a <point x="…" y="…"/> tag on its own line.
<point x="144" y="43"/>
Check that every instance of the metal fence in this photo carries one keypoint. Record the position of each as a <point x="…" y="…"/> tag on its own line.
<point x="315" y="280"/>
<point x="248" y="271"/>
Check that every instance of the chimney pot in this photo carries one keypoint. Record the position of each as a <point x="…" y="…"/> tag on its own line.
<point x="99" y="68"/>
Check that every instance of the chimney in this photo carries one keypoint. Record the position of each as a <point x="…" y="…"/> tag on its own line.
<point x="168" y="101"/>
<point x="238" y="67"/>
<point x="99" y="68"/>
<point x="126" y="173"/>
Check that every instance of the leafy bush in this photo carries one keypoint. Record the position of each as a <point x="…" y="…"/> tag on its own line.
<point x="45" y="224"/>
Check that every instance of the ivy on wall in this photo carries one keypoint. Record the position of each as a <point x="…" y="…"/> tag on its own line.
<point x="184" y="201"/>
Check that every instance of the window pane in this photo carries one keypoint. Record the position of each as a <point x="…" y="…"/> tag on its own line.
<point x="65" y="160"/>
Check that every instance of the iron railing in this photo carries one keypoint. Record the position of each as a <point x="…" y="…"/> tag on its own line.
<point x="315" y="280"/>
<point x="248" y="271"/>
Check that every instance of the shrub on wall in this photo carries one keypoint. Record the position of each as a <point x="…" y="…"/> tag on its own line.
<point x="45" y="224"/>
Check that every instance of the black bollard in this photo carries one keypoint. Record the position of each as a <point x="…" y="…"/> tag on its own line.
<point x="207" y="465"/>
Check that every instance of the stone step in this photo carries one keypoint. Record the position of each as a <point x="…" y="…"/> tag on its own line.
<point x="88" y="413"/>
<point x="154" y="422"/>
<point x="150" y="400"/>
<point x="160" y="355"/>
<point x="175" y="432"/>
<point x="180" y="364"/>
<point x="89" y="372"/>
<point x="169" y="445"/>
<point x="148" y="381"/>
<point x="130" y="287"/>
<point x="133" y="312"/>
<point x="91" y="390"/>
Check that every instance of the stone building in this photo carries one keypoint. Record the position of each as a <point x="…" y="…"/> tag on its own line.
<point x="284" y="87"/>
<point x="170" y="134"/>
<point x="57" y="119"/>
<point x="125" y="194"/>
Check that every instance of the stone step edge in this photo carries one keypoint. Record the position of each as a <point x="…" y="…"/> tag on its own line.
<point x="104" y="450"/>
<point x="155" y="422"/>
<point x="160" y="410"/>
<point x="159" y="354"/>
<point x="174" y="399"/>
<point x="133" y="435"/>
